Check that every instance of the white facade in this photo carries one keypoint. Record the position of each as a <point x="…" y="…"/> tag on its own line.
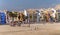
<point x="25" y="12"/>
<point x="53" y="14"/>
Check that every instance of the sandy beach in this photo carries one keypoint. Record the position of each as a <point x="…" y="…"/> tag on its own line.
<point x="34" y="29"/>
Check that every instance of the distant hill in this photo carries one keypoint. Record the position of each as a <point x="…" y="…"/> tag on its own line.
<point x="57" y="7"/>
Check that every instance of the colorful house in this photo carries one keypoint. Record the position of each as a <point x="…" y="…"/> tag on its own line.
<point x="2" y="17"/>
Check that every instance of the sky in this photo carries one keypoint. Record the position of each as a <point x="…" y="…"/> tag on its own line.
<point x="27" y="4"/>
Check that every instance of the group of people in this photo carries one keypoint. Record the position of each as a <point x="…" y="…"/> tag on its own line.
<point x="50" y="17"/>
<point x="47" y="17"/>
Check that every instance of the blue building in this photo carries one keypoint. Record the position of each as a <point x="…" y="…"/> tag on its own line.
<point x="2" y="18"/>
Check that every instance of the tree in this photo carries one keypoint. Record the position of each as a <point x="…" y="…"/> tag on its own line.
<point x="13" y="14"/>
